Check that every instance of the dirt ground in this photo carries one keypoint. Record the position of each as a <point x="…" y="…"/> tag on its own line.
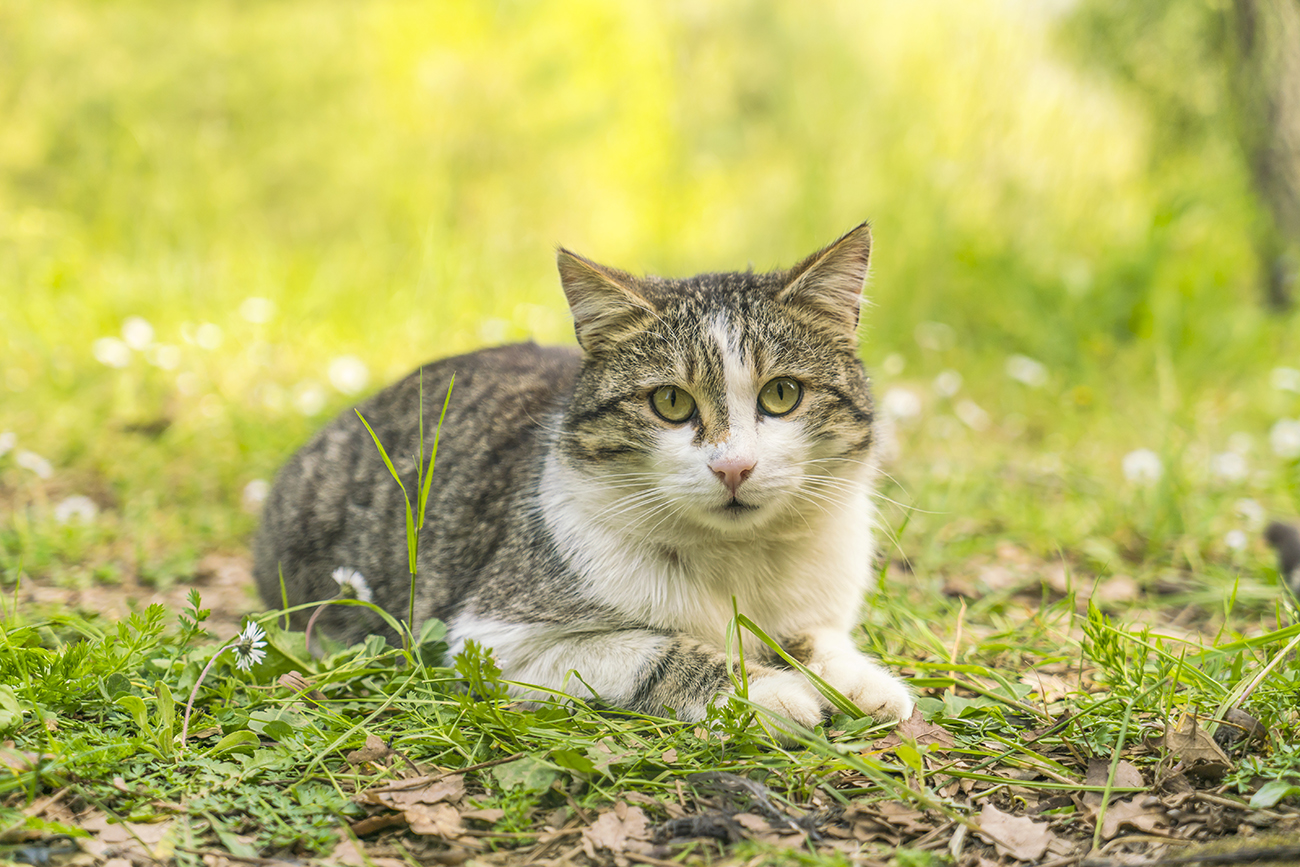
<point x="224" y="580"/>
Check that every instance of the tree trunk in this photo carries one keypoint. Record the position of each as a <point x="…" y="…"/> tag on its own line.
<point x="1265" y="84"/>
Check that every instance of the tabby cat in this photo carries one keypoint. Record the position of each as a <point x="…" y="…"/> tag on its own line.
<point x="595" y="511"/>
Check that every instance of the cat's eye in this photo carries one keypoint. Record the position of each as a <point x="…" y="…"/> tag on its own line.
<point x="672" y="404"/>
<point x="780" y="396"/>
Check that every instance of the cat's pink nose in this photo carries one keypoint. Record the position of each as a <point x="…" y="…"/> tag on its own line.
<point x="732" y="471"/>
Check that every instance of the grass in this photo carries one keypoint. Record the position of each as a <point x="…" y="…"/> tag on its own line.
<point x="219" y="228"/>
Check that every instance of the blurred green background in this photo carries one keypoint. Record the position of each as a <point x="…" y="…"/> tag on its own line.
<point x="221" y="222"/>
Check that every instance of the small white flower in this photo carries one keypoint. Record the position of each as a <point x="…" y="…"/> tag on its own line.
<point x="309" y="398"/>
<point x="972" y="415"/>
<point x="1250" y="512"/>
<point x="34" y="462"/>
<point x="348" y="374"/>
<point x="352" y="584"/>
<point x="208" y="335"/>
<point x="8" y="440"/>
<point x="1236" y="540"/>
<point x="257" y="310"/>
<point x="901" y="403"/>
<point x="255" y="493"/>
<point x="947" y="383"/>
<point x="1228" y="466"/>
<point x="1285" y="438"/>
<point x="1286" y="379"/>
<point x="137" y="333"/>
<point x="1024" y="369"/>
<point x="248" y="647"/>
<point x="894" y="364"/>
<point x="76" y="508"/>
<point x="1143" y="467"/>
<point x="111" y="351"/>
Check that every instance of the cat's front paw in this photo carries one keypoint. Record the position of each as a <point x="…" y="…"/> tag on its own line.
<point x="875" y="691"/>
<point x="788" y="694"/>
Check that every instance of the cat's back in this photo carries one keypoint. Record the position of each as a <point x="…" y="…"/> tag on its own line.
<point x="335" y="504"/>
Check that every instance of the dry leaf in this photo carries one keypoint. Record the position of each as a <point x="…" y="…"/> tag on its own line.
<point x="349" y="854"/>
<point x="436" y="820"/>
<point x="670" y="757"/>
<point x="295" y="682"/>
<point x="915" y="728"/>
<point x="1127" y="776"/>
<point x="750" y="822"/>
<point x="899" y="816"/>
<point x="18" y="761"/>
<point x="1050" y="687"/>
<point x="622" y="829"/>
<point x="1144" y="813"/>
<point x="421" y="790"/>
<point x="1238" y="725"/>
<point x="1017" y="836"/>
<point x="491" y="815"/>
<point x="375" y="750"/>
<point x="1194" y="746"/>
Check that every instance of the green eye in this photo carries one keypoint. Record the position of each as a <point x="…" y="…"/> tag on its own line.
<point x="672" y="404"/>
<point x="780" y="396"/>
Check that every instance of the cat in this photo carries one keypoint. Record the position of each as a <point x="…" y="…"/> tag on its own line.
<point x="595" y="510"/>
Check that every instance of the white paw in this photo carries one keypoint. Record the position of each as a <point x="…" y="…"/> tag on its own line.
<point x="876" y="692"/>
<point x="788" y="694"/>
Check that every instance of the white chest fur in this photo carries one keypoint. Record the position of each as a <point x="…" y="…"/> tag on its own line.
<point x="806" y="568"/>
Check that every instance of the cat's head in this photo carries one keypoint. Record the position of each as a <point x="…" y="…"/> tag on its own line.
<point x="722" y="402"/>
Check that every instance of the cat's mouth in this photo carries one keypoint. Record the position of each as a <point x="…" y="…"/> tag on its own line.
<point x="736" y="507"/>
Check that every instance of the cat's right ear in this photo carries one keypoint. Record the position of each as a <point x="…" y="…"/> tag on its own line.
<point x="831" y="280"/>
<point x="605" y="301"/>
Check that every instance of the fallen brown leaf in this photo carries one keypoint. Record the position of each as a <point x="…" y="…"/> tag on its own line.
<point x="623" y="829"/>
<point x="1050" y="687"/>
<point x="491" y="815"/>
<point x="375" y="750"/>
<point x="1195" y="747"/>
<point x="915" y="728"/>
<point x="1144" y="813"/>
<point x="420" y="790"/>
<point x="436" y="820"/>
<point x="1127" y="776"/>
<point x="1016" y="836"/>
<point x="349" y="854"/>
<point x="18" y="761"/>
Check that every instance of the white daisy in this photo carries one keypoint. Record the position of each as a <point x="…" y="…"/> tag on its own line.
<point x="77" y="508"/>
<point x="352" y="584"/>
<point x="34" y="462"/>
<point x="349" y="374"/>
<point x="248" y="647"/>
<point x="1143" y="467"/>
<point x="1031" y="372"/>
<point x="1285" y="438"/>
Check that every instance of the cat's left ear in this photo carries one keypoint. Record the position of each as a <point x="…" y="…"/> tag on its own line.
<point x="831" y="280"/>
<point x="605" y="301"/>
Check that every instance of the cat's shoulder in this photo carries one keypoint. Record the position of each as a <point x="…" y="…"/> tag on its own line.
<point x="523" y="360"/>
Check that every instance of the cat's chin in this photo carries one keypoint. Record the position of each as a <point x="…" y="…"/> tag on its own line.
<point x="735" y="518"/>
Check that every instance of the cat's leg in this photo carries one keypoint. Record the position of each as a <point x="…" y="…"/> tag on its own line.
<point x="831" y="655"/>
<point x="636" y="669"/>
